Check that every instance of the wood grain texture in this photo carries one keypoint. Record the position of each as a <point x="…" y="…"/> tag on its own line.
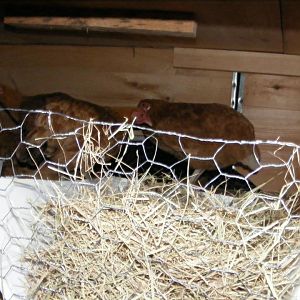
<point x="178" y="28"/>
<point x="291" y="26"/>
<point x="275" y="92"/>
<point x="272" y="180"/>
<point x="102" y="59"/>
<point x="276" y="168"/>
<point x="273" y="123"/>
<point x="272" y="103"/>
<point x="109" y="75"/>
<point x="232" y="24"/>
<point x="251" y="62"/>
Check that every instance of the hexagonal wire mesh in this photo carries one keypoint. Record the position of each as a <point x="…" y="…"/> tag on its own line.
<point x="216" y="236"/>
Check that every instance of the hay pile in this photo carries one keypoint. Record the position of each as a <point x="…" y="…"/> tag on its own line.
<point x="162" y="241"/>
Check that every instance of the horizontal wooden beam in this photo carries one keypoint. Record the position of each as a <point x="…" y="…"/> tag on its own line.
<point x="249" y="62"/>
<point x="113" y="76"/>
<point x="178" y="28"/>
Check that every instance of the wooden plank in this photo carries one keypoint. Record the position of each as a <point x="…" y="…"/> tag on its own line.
<point x="276" y="92"/>
<point x="272" y="180"/>
<point x="121" y="88"/>
<point x="240" y="25"/>
<point x="281" y="172"/>
<point x="251" y="62"/>
<point x="113" y="76"/>
<point x="274" y="123"/>
<point x="101" y="59"/>
<point x="272" y="104"/>
<point x="178" y="28"/>
<point x="291" y="26"/>
<point x="273" y="177"/>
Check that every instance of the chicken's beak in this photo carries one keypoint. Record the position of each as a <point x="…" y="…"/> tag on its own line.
<point x="140" y="117"/>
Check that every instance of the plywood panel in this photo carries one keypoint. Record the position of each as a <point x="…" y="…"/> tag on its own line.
<point x="114" y="76"/>
<point x="232" y="24"/>
<point x="251" y="62"/>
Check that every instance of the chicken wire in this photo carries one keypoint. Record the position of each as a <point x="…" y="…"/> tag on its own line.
<point x="138" y="160"/>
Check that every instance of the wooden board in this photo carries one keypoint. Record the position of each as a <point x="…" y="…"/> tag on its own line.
<point x="275" y="92"/>
<point x="272" y="104"/>
<point x="114" y="76"/>
<point x="179" y="28"/>
<point x="252" y="62"/>
<point x="273" y="123"/>
<point x="232" y="24"/>
<point x="81" y="58"/>
<point x="291" y="26"/>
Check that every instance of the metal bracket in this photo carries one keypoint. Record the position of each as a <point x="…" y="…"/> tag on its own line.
<point x="237" y="91"/>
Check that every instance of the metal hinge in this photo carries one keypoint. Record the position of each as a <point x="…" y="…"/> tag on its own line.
<point x="237" y="91"/>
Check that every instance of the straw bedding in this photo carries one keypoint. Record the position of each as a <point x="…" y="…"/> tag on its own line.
<point x="163" y="241"/>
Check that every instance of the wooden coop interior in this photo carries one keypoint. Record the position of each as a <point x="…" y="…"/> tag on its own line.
<point x="119" y="52"/>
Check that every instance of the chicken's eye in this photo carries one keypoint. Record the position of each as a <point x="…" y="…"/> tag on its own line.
<point x="145" y="106"/>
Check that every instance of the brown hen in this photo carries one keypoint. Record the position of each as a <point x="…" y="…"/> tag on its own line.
<point x="206" y="121"/>
<point x="58" y="138"/>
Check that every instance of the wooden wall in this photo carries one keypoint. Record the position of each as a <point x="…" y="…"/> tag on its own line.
<point x="272" y="103"/>
<point x="248" y="25"/>
<point x="222" y="24"/>
<point x="110" y="75"/>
